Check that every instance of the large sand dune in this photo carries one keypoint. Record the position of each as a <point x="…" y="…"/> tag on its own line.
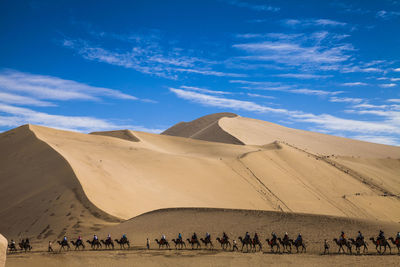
<point x="54" y="182"/>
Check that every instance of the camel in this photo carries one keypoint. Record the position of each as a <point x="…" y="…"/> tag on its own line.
<point x="381" y="243"/>
<point x="396" y="242"/>
<point x="108" y="243"/>
<point x="95" y="244"/>
<point x="341" y="243"/>
<point x="194" y="242"/>
<point x="122" y="242"/>
<point x="24" y="245"/>
<point x="78" y="244"/>
<point x="224" y="243"/>
<point x="63" y="245"/>
<point x="298" y="244"/>
<point x="12" y="247"/>
<point x="162" y="243"/>
<point x="358" y="244"/>
<point x="286" y="244"/>
<point x="246" y="242"/>
<point x="207" y="242"/>
<point x="272" y="244"/>
<point x="256" y="242"/>
<point x="179" y="242"/>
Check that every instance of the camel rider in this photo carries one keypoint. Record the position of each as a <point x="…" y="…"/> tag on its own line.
<point x="27" y="241"/>
<point x="124" y="238"/>
<point x="256" y="237"/>
<point x="342" y="236"/>
<point x="180" y="237"/>
<point x="299" y="239"/>
<point x="286" y="236"/>
<point x="208" y="236"/>
<point x="398" y="236"/>
<point x="95" y="238"/>
<point x="360" y="236"/>
<point x="247" y="236"/>
<point x="79" y="240"/>
<point x="273" y="237"/>
<point x="225" y="237"/>
<point x="381" y="235"/>
<point x="12" y="243"/>
<point x="163" y="238"/>
<point x="194" y="237"/>
<point x="65" y="239"/>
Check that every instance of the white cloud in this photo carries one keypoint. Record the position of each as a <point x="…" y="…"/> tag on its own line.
<point x="148" y="57"/>
<point x="346" y="100"/>
<point x="383" y="14"/>
<point x="253" y="6"/>
<point x="313" y="23"/>
<point x="53" y="88"/>
<point x="18" y="116"/>
<point x="387" y="140"/>
<point x="387" y="85"/>
<point x="354" y="84"/>
<point x="261" y="96"/>
<point x="397" y="69"/>
<point x="22" y="100"/>
<point x="202" y="90"/>
<point x="303" y="76"/>
<point x="395" y="100"/>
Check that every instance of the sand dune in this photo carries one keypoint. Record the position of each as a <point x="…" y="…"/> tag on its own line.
<point x="57" y="182"/>
<point x="3" y="249"/>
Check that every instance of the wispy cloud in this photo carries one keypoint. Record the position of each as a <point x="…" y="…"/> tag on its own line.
<point x="313" y="22"/>
<point x="253" y="6"/>
<point x="202" y="90"/>
<point x="396" y="69"/>
<point x="346" y="100"/>
<point x="22" y="100"/>
<point x="303" y="76"/>
<point x="277" y="86"/>
<point x="380" y="139"/>
<point x="18" y="116"/>
<point x="148" y="57"/>
<point x="354" y="84"/>
<point x="395" y="100"/>
<point x="387" y="85"/>
<point x="261" y="96"/>
<point x="383" y="14"/>
<point x="41" y="87"/>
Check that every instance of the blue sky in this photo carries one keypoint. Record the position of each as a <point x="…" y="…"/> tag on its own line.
<point x="326" y="66"/>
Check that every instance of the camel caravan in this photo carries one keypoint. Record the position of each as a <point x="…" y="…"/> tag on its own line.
<point x="248" y="244"/>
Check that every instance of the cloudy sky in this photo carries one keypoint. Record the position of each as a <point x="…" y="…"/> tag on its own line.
<point x="326" y="66"/>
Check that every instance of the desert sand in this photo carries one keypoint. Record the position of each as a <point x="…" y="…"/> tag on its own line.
<point x="221" y="172"/>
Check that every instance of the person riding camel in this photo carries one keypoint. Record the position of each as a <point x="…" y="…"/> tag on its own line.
<point x="360" y="236"/>
<point x="65" y="239"/>
<point x="95" y="239"/>
<point x="27" y="241"/>
<point x="247" y="236"/>
<point x="273" y="237"/>
<point x="180" y="237"/>
<point x="256" y="238"/>
<point x="79" y="240"/>
<point x="208" y="236"/>
<point x="124" y="238"/>
<point x="163" y="239"/>
<point x="398" y="236"/>
<point x="225" y="237"/>
<point x="381" y="236"/>
<point x="108" y="238"/>
<point x="286" y="237"/>
<point x="194" y="237"/>
<point x="342" y="236"/>
<point x="299" y="239"/>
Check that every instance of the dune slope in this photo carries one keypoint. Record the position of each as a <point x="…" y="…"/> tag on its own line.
<point x="40" y="195"/>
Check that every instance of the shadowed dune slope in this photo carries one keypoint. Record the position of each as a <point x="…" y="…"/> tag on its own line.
<point x="257" y="132"/>
<point x="3" y="249"/>
<point x="40" y="195"/>
<point x="314" y="228"/>
<point x="204" y="128"/>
